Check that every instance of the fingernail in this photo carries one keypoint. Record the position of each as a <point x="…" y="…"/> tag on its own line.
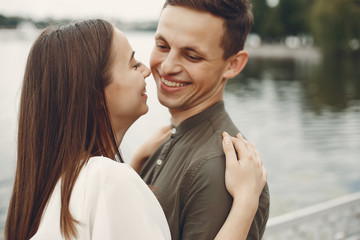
<point x="225" y="133"/>
<point x="227" y="139"/>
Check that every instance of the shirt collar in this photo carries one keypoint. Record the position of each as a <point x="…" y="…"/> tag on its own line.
<point x="197" y="119"/>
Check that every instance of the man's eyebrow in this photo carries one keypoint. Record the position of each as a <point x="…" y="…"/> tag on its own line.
<point x="188" y="48"/>
<point x="160" y="37"/>
<point x="131" y="57"/>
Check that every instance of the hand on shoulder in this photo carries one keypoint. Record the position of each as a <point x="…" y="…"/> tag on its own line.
<point x="245" y="178"/>
<point x="245" y="174"/>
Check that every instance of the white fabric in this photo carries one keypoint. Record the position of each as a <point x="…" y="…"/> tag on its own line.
<point x="111" y="202"/>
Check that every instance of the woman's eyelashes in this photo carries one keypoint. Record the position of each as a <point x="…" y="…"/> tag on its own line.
<point x="137" y="65"/>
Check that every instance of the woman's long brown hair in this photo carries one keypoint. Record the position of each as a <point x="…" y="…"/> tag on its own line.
<point x="63" y="120"/>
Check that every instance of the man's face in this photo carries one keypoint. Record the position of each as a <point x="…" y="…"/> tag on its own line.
<point x="187" y="60"/>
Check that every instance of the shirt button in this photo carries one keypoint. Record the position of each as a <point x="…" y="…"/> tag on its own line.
<point x="173" y="130"/>
<point x="159" y="162"/>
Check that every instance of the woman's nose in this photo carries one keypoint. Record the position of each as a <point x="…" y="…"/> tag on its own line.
<point x="146" y="71"/>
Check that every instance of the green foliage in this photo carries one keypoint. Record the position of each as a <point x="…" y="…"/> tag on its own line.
<point x="293" y="15"/>
<point x="334" y="23"/>
<point x="9" y="22"/>
<point x="289" y="17"/>
<point x="260" y="11"/>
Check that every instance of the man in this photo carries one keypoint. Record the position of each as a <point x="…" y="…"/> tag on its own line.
<point x="199" y="45"/>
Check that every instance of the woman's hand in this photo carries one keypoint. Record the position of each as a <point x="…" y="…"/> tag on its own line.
<point x="149" y="146"/>
<point x="245" y="175"/>
<point x="245" y="178"/>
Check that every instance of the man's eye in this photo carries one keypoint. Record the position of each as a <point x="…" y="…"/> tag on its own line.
<point x="161" y="46"/>
<point x="193" y="58"/>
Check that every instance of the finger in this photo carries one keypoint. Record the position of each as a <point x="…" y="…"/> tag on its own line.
<point x="240" y="136"/>
<point x="265" y="174"/>
<point x="257" y="155"/>
<point x="166" y="130"/>
<point x="228" y="149"/>
<point x="254" y="152"/>
<point x="240" y="146"/>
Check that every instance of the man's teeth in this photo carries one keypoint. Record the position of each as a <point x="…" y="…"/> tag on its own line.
<point x="172" y="84"/>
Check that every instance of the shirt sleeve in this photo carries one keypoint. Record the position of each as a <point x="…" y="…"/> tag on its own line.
<point x="206" y="200"/>
<point x="123" y="207"/>
<point x="207" y="203"/>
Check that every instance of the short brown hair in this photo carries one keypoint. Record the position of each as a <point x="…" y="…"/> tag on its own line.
<point x="237" y="15"/>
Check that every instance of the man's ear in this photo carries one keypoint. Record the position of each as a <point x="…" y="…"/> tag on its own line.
<point x="236" y="63"/>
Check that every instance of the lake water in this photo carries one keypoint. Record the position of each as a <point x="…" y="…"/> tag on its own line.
<point x="303" y="114"/>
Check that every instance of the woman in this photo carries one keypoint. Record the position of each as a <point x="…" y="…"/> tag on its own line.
<point x="82" y="90"/>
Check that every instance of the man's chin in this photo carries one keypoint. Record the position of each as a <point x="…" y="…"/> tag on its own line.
<point x="167" y="103"/>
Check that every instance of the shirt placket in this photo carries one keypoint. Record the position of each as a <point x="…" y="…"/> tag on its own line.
<point x="163" y="154"/>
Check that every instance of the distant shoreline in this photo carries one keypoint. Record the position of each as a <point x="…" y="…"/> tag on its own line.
<point x="282" y="51"/>
<point x="276" y="51"/>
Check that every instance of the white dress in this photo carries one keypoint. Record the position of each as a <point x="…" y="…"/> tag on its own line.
<point x="111" y="202"/>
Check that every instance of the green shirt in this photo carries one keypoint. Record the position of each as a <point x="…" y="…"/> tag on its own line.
<point x="187" y="175"/>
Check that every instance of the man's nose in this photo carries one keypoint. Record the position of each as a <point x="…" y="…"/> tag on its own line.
<point x="170" y="64"/>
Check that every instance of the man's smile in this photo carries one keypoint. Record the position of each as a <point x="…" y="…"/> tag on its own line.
<point x="169" y="83"/>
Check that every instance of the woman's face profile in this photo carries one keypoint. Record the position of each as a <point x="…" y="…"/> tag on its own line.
<point x="126" y="94"/>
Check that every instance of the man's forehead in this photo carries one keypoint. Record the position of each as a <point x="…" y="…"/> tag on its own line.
<point x="191" y="27"/>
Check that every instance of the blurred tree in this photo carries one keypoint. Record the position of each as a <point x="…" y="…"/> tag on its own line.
<point x="273" y="27"/>
<point x="267" y="23"/>
<point x="260" y="9"/>
<point x="335" y="25"/>
<point x="9" y="22"/>
<point x="294" y="16"/>
<point x="274" y="23"/>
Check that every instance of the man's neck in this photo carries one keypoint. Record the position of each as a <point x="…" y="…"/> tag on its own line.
<point x="178" y="116"/>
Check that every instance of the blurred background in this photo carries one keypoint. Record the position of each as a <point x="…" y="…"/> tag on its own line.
<point x="298" y="99"/>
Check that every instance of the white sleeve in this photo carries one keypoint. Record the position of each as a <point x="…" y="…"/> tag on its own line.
<point x="122" y="206"/>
